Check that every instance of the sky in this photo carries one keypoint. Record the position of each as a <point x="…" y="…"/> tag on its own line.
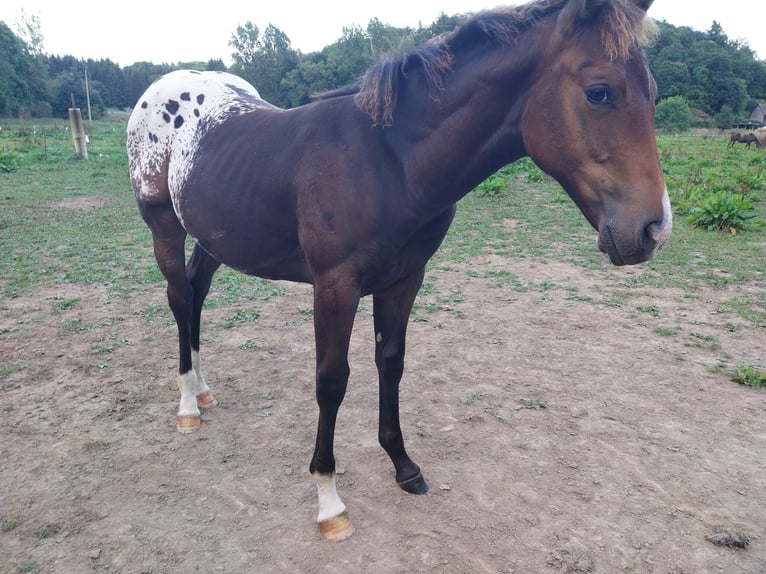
<point x="171" y="31"/>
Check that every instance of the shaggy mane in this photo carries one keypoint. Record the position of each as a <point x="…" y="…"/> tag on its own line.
<point x="621" y="23"/>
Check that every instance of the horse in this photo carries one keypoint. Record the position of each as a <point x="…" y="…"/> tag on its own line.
<point x="746" y="139"/>
<point x="354" y="192"/>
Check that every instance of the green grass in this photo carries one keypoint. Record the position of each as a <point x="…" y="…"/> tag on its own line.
<point x="749" y="375"/>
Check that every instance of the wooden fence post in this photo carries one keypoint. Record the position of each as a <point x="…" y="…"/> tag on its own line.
<point x="78" y="133"/>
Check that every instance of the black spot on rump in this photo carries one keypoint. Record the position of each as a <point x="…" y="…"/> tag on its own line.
<point x="200" y="99"/>
<point x="144" y="105"/>
<point x="178" y="122"/>
<point x="172" y="107"/>
<point x="186" y="97"/>
<point x="196" y="112"/>
<point x="166" y="117"/>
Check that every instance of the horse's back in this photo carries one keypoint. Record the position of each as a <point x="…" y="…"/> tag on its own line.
<point x="170" y="118"/>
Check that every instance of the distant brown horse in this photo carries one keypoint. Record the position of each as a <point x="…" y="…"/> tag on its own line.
<point x="354" y="193"/>
<point x="746" y="139"/>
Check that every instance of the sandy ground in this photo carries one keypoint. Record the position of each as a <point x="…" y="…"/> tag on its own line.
<point x="559" y="433"/>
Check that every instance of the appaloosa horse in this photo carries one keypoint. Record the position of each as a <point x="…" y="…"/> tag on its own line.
<point x="747" y="139"/>
<point x="353" y="193"/>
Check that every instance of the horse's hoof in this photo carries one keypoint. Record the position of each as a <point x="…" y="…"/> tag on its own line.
<point x="338" y="528"/>
<point x="206" y="400"/>
<point x="415" y="485"/>
<point x="187" y="423"/>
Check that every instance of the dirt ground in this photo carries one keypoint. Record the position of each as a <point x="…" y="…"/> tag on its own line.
<point x="558" y="434"/>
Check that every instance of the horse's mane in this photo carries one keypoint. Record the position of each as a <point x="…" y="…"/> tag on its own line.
<point x="622" y="24"/>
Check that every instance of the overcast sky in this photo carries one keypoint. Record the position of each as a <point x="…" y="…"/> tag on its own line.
<point x="169" y="31"/>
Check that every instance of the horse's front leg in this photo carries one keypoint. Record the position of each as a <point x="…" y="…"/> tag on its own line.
<point x="392" y="311"/>
<point x="334" y="310"/>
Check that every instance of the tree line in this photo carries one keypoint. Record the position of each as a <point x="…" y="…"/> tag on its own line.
<point x="717" y="77"/>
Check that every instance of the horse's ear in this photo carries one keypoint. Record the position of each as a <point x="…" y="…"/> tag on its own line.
<point x="580" y="11"/>
<point x="644" y="4"/>
<point x="577" y="12"/>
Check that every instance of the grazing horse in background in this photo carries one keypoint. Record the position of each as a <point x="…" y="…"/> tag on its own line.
<point x="746" y="139"/>
<point x="354" y="192"/>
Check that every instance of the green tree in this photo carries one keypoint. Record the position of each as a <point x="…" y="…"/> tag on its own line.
<point x="674" y="114"/>
<point x="22" y="84"/>
<point x="264" y="60"/>
<point x="724" y="118"/>
<point x="672" y="78"/>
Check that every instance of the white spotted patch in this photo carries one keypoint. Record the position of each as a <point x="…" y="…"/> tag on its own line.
<point x="169" y="120"/>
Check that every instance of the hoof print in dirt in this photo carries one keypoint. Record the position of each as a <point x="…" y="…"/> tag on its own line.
<point x="728" y="538"/>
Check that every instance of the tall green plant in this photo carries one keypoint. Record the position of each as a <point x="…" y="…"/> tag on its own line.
<point x="724" y="211"/>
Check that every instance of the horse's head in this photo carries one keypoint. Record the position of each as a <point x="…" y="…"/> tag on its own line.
<point x="589" y="122"/>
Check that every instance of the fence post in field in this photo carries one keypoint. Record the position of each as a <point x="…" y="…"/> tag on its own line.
<point x="78" y="132"/>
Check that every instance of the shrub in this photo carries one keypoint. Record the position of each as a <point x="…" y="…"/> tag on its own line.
<point x="9" y="161"/>
<point x="724" y="211"/>
<point x="749" y="375"/>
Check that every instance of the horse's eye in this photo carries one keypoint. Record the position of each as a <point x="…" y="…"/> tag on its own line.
<point x="598" y="94"/>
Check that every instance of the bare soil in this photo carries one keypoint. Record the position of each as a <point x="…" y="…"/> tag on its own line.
<point x="558" y="434"/>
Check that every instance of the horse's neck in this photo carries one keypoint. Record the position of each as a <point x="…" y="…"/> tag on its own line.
<point x="473" y="128"/>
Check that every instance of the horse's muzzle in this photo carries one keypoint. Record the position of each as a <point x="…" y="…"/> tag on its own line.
<point x="651" y="237"/>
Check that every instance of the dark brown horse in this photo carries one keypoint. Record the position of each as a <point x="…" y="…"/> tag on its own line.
<point x="354" y="193"/>
<point x="747" y="139"/>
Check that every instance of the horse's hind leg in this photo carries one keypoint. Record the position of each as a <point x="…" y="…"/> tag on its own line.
<point x="169" y="251"/>
<point x="391" y="313"/>
<point x="200" y="271"/>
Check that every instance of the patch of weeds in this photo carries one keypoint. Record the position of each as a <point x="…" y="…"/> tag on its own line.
<point x="239" y="316"/>
<point x="702" y="341"/>
<point x="535" y="404"/>
<point x="64" y="304"/>
<point x="306" y="314"/>
<point x="749" y="375"/>
<point x="504" y="278"/>
<point x="7" y="370"/>
<point x="455" y="295"/>
<point x="493" y="186"/>
<point x="559" y="196"/>
<point x="725" y="211"/>
<point x="249" y="345"/>
<point x="10" y="525"/>
<point x="28" y="567"/>
<point x="428" y="287"/>
<point x="582" y="298"/>
<point x="666" y="331"/>
<point x="652" y="310"/>
<point x="101" y="349"/>
<point x="154" y="312"/>
<point x="76" y="326"/>
<point x="544" y="286"/>
<point x="476" y="397"/>
<point x="47" y="531"/>
<point x="9" y="161"/>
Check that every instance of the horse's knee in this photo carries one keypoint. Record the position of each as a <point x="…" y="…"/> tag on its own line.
<point x="331" y="383"/>
<point x="390" y="361"/>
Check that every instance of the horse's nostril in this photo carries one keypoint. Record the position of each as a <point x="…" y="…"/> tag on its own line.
<point x="655" y="232"/>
